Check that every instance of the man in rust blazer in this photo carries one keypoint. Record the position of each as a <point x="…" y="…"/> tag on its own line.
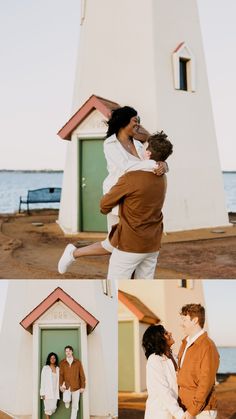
<point x="137" y="237"/>
<point x="72" y="381"/>
<point x="198" y="362"/>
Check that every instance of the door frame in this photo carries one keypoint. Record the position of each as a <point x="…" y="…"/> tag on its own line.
<point x="75" y="329"/>
<point x="80" y="138"/>
<point x="60" y="322"/>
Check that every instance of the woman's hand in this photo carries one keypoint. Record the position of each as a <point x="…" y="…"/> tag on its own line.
<point x="161" y="168"/>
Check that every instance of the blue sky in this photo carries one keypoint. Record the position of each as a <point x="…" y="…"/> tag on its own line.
<point x="220" y="308"/>
<point x="39" y="42"/>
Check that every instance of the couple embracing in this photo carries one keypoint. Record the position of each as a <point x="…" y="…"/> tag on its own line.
<point x="134" y="194"/>
<point x="183" y="387"/>
<point x="68" y="377"/>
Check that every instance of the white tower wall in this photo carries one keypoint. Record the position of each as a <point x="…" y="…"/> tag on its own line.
<point x="125" y="55"/>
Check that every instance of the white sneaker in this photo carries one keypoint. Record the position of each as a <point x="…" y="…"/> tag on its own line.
<point x="67" y="259"/>
<point x="67" y="405"/>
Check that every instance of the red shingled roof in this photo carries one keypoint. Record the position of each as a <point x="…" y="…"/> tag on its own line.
<point x="140" y="310"/>
<point x="105" y="106"/>
<point x="59" y="295"/>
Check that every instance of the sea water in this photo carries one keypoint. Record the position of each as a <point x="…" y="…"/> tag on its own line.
<point x="14" y="184"/>
<point x="227" y="359"/>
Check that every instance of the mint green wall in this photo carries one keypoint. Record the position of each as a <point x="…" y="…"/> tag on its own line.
<point x="126" y="356"/>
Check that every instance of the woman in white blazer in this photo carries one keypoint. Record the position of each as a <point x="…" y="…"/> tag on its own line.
<point x="123" y="153"/>
<point x="160" y="375"/>
<point x="49" y="388"/>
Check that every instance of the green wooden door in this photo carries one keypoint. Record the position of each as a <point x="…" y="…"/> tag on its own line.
<point x="54" y="340"/>
<point x="92" y="174"/>
<point x="126" y="356"/>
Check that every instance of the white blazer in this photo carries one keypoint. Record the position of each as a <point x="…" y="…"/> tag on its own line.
<point x="46" y="387"/>
<point x="162" y="389"/>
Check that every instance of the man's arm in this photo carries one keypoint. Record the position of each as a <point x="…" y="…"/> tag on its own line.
<point x="82" y="378"/>
<point x="209" y="367"/>
<point x="115" y="195"/>
<point x="61" y="375"/>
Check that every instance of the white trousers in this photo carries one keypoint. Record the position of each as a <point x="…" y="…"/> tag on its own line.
<point x="210" y="414"/>
<point x="50" y="406"/>
<point x="123" y="264"/>
<point x="112" y="219"/>
<point x="73" y="397"/>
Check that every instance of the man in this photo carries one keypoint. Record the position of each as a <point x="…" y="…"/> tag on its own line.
<point x="140" y="195"/>
<point x="198" y="361"/>
<point x="72" y="381"/>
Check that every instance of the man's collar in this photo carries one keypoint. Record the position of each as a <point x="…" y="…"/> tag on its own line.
<point x="200" y="336"/>
<point x="195" y="337"/>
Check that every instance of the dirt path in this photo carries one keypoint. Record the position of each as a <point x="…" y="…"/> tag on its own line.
<point x="30" y="250"/>
<point x="132" y="406"/>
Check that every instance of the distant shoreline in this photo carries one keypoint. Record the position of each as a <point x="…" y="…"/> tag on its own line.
<point x="31" y="171"/>
<point x="61" y="171"/>
<point x="223" y="376"/>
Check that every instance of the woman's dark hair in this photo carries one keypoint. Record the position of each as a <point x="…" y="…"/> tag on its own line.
<point x="49" y="356"/>
<point x="120" y="118"/>
<point x="154" y="341"/>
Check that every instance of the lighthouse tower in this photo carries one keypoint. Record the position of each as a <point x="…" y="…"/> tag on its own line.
<point x="149" y="54"/>
<point x="44" y="316"/>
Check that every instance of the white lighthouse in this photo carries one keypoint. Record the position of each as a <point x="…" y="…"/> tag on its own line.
<point x="44" y="316"/>
<point x="147" y="54"/>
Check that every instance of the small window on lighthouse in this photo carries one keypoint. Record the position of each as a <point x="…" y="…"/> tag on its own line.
<point x="185" y="283"/>
<point x="184" y="68"/>
<point x="183" y="78"/>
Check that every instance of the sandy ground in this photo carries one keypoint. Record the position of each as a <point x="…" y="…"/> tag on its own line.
<point x="31" y="250"/>
<point x="132" y="406"/>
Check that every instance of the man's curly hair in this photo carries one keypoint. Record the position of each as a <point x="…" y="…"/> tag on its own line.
<point x="159" y="146"/>
<point x="194" y="310"/>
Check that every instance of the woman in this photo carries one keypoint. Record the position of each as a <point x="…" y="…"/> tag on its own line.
<point x="49" y="389"/>
<point x="160" y="375"/>
<point x="123" y="153"/>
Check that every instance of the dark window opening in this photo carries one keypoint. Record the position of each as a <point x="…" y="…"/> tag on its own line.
<point x="183" y="283"/>
<point x="183" y="80"/>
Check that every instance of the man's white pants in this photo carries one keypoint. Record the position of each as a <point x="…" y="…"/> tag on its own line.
<point x="123" y="264"/>
<point x="73" y="397"/>
<point x="210" y="414"/>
